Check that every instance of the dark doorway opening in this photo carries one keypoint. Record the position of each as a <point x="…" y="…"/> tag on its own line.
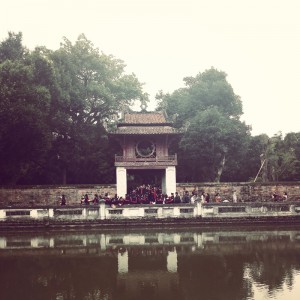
<point x="137" y="178"/>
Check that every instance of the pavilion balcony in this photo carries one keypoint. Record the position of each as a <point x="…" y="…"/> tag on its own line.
<point x="158" y="161"/>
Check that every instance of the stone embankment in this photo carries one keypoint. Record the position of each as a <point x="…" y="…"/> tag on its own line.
<point x="39" y="207"/>
<point x="145" y="216"/>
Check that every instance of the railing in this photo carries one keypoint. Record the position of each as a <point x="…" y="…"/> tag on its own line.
<point x="170" y="159"/>
<point x="182" y="210"/>
<point x="97" y="212"/>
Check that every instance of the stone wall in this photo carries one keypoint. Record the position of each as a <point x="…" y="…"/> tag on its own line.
<point x="245" y="191"/>
<point x="50" y="195"/>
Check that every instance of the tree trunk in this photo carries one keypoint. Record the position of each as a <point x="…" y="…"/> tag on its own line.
<point x="265" y="172"/>
<point x="220" y="169"/>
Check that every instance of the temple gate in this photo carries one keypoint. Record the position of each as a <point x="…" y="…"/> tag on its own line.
<point x="145" y="138"/>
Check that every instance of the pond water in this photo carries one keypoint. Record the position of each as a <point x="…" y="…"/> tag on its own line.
<point x="155" y="264"/>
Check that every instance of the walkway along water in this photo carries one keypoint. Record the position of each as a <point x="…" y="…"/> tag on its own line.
<point x="209" y="214"/>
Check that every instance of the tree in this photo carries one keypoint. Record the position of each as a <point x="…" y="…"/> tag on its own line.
<point x="24" y="105"/>
<point x="208" y="111"/>
<point x="254" y="158"/>
<point x="281" y="158"/>
<point x="12" y="48"/>
<point x="292" y="145"/>
<point x="55" y="106"/>
<point x="93" y="89"/>
<point x="205" y="90"/>
<point x="210" y="141"/>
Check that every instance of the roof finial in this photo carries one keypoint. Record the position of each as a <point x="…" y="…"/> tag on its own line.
<point x="144" y="99"/>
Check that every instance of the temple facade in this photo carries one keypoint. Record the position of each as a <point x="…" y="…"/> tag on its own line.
<point x="145" y="139"/>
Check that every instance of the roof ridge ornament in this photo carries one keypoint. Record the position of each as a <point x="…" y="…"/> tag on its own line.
<point x="144" y="99"/>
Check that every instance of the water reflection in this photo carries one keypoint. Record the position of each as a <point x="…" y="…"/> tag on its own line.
<point x="151" y="265"/>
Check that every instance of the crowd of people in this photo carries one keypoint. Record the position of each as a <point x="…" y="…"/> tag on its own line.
<point x="148" y="194"/>
<point x="144" y="194"/>
<point x="276" y="197"/>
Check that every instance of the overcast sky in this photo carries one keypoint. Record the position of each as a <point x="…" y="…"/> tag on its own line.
<point x="256" y="42"/>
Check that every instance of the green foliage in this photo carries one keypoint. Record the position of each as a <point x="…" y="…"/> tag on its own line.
<point x="24" y="107"/>
<point x="54" y="106"/>
<point x="281" y="156"/>
<point x="92" y="89"/>
<point x="210" y="140"/>
<point x="216" y="145"/>
<point x="206" y="90"/>
<point x="254" y="156"/>
<point x="93" y="83"/>
<point x="11" y="48"/>
<point x="208" y="111"/>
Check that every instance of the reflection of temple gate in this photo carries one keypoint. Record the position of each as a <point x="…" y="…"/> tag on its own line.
<point x="145" y="138"/>
<point x="137" y="277"/>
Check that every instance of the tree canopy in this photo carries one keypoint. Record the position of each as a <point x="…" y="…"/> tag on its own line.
<point x="209" y="111"/>
<point x="54" y="108"/>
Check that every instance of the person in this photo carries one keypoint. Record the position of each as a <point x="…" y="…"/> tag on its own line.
<point x="107" y="199"/>
<point x="186" y="198"/>
<point x="275" y="197"/>
<point x="169" y="200"/>
<point x="102" y="198"/>
<point x="218" y="198"/>
<point x="86" y="199"/>
<point x="115" y="200"/>
<point x="96" y="199"/>
<point x="151" y="198"/>
<point x="143" y="199"/>
<point x="234" y="197"/>
<point x="159" y="199"/>
<point x="198" y="199"/>
<point x="193" y="198"/>
<point x="177" y="198"/>
<point x="285" y="196"/>
<point x="127" y="199"/>
<point x="133" y="198"/>
<point x="194" y="191"/>
<point x="207" y="197"/>
<point x="121" y="201"/>
<point x="202" y="197"/>
<point x="155" y="192"/>
<point x="63" y="200"/>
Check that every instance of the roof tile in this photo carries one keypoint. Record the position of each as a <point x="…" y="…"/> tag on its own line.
<point x="131" y="130"/>
<point x="139" y="123"/>
<point x="144" y="118"/>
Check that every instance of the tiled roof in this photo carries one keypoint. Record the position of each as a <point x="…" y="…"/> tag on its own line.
<point x="137" y="123"/>
<point x="144" y="118"/>
<point x="131" y="130"/>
